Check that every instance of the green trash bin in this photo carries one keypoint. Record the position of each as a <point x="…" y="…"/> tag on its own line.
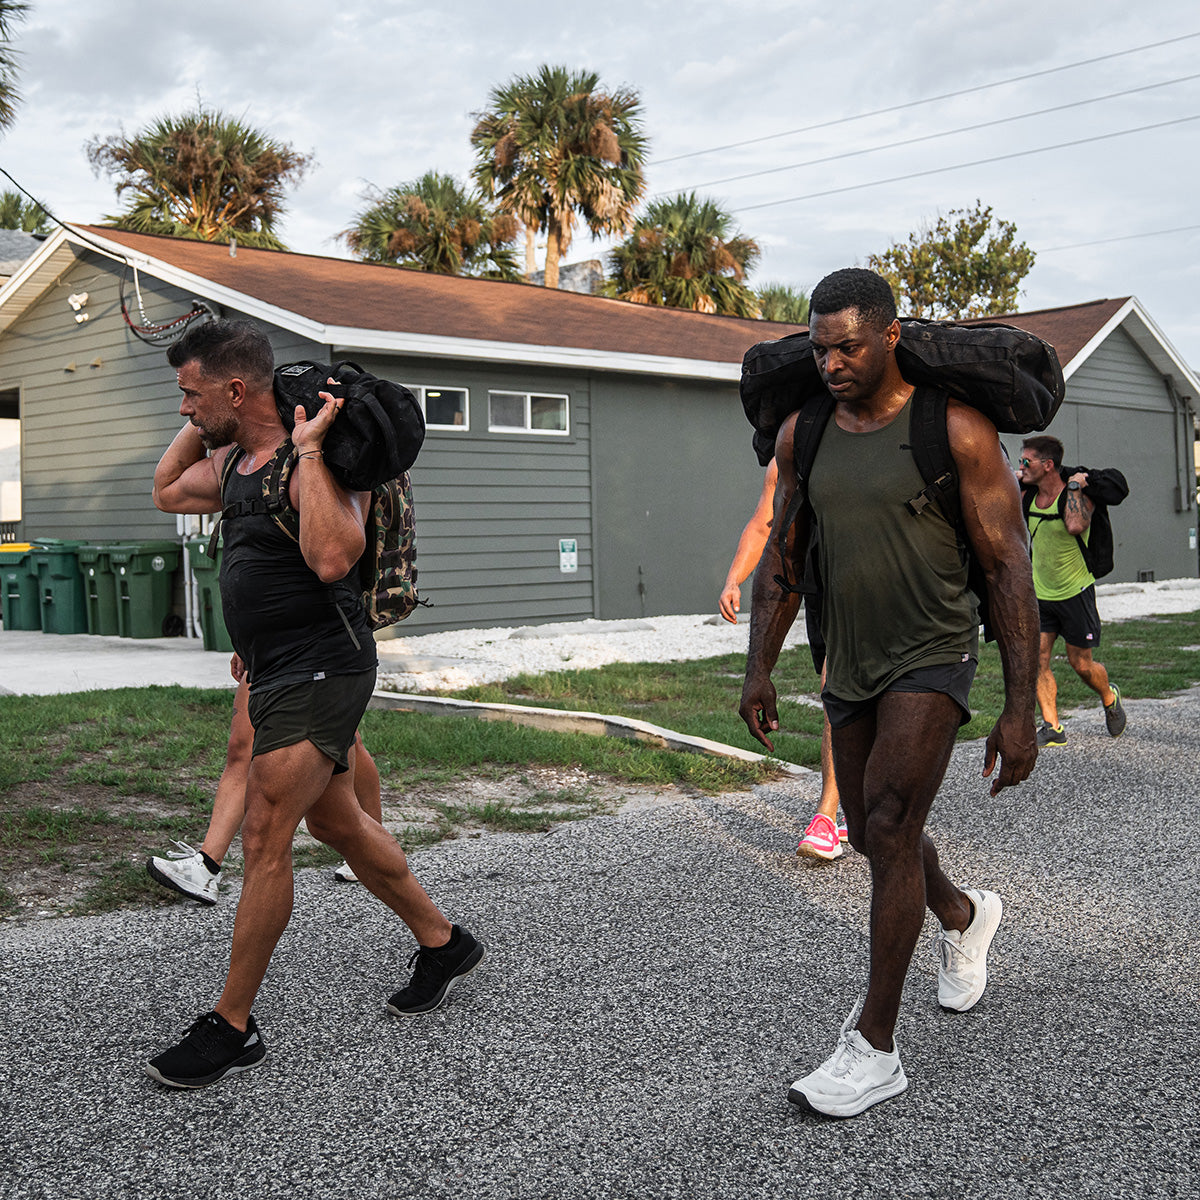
<point x="22" y="608"/>
<point x="60" y="586"/>
<point x="99" y="589"/>
<point x="143" y="573"/>
<point x="212" y="620"/>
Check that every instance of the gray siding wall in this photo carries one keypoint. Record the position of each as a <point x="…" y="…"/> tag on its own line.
<point x="1118" y="413"/>
<point x="676" y="479"/>
<point x="90" y="438"/>
<point x="491" y="507"/>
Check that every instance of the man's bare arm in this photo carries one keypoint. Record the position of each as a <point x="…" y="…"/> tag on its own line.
<point x="773" y="611"/>
<point x="186" y="480"/>
<point x="750" y="547"/>
<point x="1077" y="513"/>
<point x="991" y="509"/>
<point x="332" y="520"/>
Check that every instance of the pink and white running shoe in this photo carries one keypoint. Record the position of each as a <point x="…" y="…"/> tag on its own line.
<point x="820" y="839"/>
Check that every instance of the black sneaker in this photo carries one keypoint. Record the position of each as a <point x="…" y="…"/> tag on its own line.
<point x="1114" y="714"/>
<point x="437" y="972"/>
<point x="210" y="1050"/>
<point x="1051" y="735"/>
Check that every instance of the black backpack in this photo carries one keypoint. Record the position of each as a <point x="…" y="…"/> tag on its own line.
<point x="387" y="570"/>
<point x="1106" y="487"/>
<point x="376" y="436"/>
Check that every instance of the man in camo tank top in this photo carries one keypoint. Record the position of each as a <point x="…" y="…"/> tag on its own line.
<point x="901" y="630"/>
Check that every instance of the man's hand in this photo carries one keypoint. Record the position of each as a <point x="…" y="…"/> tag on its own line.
<point x="310" y="435"/>
<point x="758" y="709"/>
<point x="237" y="668"/>
<point x="1014" y="740"/>
<point x="730" y="602"/>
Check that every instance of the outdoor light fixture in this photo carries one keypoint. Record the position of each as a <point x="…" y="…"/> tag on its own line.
<point x="77" y="300"/>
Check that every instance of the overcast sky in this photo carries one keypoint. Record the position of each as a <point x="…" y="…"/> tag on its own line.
<point x="380" y="92"/>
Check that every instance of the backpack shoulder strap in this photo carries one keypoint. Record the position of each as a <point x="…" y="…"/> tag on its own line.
<point x="811" y="419"/>
<point x="930" y="445"/>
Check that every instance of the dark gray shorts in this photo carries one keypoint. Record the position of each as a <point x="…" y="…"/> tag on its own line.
<point x="1076" y="618"/>
<point x="954" y="679"/>
<point x="325" y="712"/>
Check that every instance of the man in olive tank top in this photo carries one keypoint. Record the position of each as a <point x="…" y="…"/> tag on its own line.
<point x="901" y="632"/>
<point x="295" y="616"/>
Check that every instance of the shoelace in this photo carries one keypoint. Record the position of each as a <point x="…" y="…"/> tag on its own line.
<point x="184" y="851"/>
<point x="205" y="1036"/>
<point x="845" y="1058"/>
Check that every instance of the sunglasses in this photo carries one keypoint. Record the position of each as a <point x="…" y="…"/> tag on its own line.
<point x="1025" y="462"/>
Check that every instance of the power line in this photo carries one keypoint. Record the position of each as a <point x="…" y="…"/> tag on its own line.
<point x="929" y="137"/>
<point x="878" y="112"/>
<point x="979" y="162"/>
<point x="1128" y="237"/>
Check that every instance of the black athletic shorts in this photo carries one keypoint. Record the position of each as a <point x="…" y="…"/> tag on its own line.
<point x="325" y="712"/>
<point x="1076" y="619"/>
<point x="954" y="679"/>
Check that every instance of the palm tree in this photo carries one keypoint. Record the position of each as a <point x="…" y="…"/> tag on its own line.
<point x="11" y="11"/>
<point x="201" y="175"/>
<point x="18" y="213"/>
<point x="684" y="253"/>
<point x="778" y="302"/>
<point x="434" y="224"/>
<point x="553" y="147"/>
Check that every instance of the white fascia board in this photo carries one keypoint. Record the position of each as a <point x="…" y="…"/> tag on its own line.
<point x="1097" y="339"/>
<point x="344" y="340"/>
<point x="33" y="277"/>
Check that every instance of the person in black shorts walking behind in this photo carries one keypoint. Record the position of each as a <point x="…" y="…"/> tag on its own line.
<point x="1066" y="589"/>
<point x="901" y="630"/>
<point x="295" y="617"/>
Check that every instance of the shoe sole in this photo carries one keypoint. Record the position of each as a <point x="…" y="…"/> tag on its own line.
<point x="887" y="1091"/>
<point x="168" y="882"/>
<point x="235" y="1068"/>
<point x="973" y="998"/>
<point x="1051" y="745"/>
<point x="469" y="964"/>
<point x="808" y="850"/>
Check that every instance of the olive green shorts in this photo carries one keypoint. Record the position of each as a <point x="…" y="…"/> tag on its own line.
<point x="325" y="712"/>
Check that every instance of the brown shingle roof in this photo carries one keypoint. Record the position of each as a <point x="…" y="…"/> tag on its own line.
<point x="353" y="295"/>
<point x="338" y="292"/>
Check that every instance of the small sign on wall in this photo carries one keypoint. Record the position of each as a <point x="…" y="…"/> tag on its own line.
<point x="568" y="556"/>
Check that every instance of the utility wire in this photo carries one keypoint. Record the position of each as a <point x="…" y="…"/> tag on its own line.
<point x="1128" y="237"/>
<point x="878" y="112"/>
<point x="979" y="162"/>
<point x="929" y="137"/>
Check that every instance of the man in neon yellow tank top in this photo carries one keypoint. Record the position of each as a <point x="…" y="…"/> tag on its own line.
<point x="900" y="628"/>
<point x="1066" y="589"/>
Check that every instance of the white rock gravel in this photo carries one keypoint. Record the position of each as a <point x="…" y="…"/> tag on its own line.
<point x="464" y="657"/>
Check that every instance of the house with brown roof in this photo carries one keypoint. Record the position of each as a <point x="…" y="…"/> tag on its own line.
<point x="585" y="457"/>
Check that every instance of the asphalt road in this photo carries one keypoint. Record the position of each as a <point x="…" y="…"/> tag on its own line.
<point x="654" y="982"/>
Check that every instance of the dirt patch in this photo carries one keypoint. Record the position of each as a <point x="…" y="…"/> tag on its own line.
<point x="71" y="849"/>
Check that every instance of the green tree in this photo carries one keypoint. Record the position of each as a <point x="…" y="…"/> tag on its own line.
<point x="778" y="302"/>
<point x="684" y="252"/>
<point x="201" y="175"/>
<point x="18" y="213"/>
<point x="971" y="266"/>
<point x="552" y="148"/>
<point x="11" y="11"/>
<point x="434" y="224"/>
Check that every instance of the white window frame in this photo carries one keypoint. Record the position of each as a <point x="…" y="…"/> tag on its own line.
<point x="419" y="390"/>
<point x="527" y="429"/>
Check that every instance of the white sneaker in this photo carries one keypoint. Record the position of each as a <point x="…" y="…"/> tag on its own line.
<point x="853" y="1078"/>
<point x="183" y="871"/>
<point x="963" y="973"/>
<point x="345" y="873"/>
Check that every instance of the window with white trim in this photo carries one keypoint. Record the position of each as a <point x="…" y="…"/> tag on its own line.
<point x="444" y="408"/>
<point x="527" y="412"/>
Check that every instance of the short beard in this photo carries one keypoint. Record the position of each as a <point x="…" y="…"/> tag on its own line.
<point x="213" y="438"/>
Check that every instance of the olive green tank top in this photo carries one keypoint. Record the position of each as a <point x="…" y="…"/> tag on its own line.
<point x="895" y="585"/>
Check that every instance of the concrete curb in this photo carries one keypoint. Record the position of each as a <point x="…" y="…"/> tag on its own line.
<point x="598" y="724"/>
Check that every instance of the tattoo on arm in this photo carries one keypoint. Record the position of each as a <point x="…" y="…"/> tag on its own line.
<point x="1073" y="505"/>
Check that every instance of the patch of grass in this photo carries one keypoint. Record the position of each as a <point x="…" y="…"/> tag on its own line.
<point x="1146" y="658"/>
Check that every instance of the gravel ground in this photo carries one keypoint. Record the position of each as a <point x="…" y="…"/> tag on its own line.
<point x="654" y="981"/>
<point x="465" y="657"/>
